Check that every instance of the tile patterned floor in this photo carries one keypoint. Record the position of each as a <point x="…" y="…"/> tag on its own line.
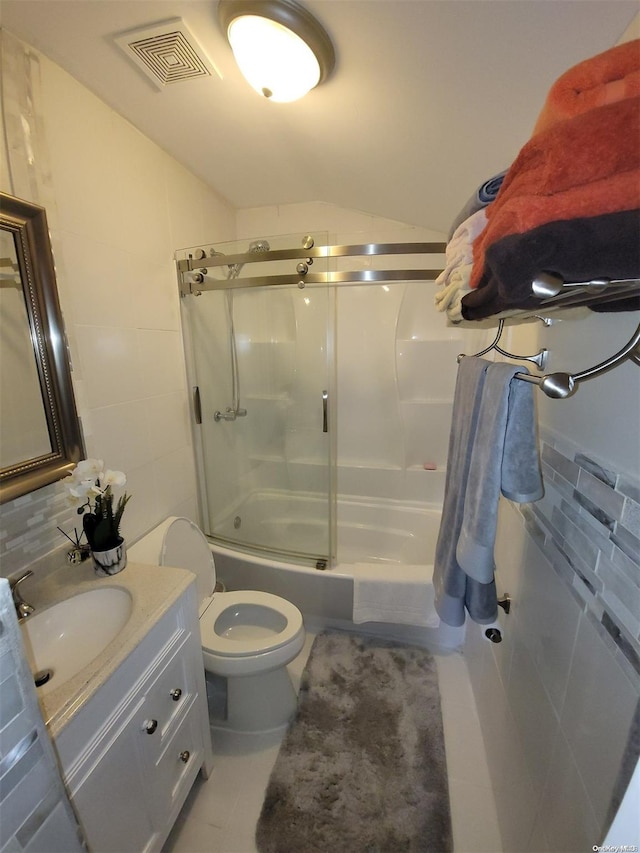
<point x="220" y="813"/>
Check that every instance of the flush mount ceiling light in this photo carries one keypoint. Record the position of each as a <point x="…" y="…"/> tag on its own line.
<point x="280" y="48"/>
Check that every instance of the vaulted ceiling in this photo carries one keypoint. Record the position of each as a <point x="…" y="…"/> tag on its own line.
<point x="428" y="98"/>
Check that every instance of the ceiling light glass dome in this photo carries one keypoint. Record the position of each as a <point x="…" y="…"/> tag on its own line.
<point x="280" y="48"/>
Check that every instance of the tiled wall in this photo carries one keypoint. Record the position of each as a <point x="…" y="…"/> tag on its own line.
<point x="29" y="528"/>
<point x="589" y="519"/>
<point x="118" y="206"/>
<point x="556" y="700"/>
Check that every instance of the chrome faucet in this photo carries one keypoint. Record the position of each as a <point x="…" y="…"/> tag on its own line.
<point x="22" y="608"/>
<point x="230" y="415"/>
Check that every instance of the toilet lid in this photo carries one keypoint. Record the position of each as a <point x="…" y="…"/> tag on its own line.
<point x="217" y="643"/>
<point x="185" y="547"/>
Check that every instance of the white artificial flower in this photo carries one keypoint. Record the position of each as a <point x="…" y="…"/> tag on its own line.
<point x="113" y="478"/>
<point x="89" y="491"/>
<point x="69" y="481"/>
<point x="78" y="491"/>
<point x="84" y="490"/>
<point x="72" y="484"/>
<point x="71" y="499"/>
<point x="88" y="469"/>
<point x="81" y="490"/>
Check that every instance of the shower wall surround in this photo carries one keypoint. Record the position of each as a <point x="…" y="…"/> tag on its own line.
<point x="395" y="357"/>
<point x="117" y="205"/>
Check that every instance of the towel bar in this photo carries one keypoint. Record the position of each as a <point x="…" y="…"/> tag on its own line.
<point x="560" y="385"/>
<point x="547" y="285"/>
<point x="539" y="359"/>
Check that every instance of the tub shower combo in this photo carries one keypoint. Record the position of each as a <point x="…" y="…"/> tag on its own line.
<point x="322" y="382"/>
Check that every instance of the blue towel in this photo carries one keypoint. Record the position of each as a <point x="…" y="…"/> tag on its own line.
<point x="504" y="459"/>
<point x="493" y="448"/>
<point x="483" y="196"/>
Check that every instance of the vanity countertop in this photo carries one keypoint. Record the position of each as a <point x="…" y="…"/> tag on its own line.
<point x="153" y="590"/>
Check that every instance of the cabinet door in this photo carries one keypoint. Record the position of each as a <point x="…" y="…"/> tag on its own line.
<point x="170" y="695"/>
<point x="112" y="800"/>
<point x="177" y="767"/>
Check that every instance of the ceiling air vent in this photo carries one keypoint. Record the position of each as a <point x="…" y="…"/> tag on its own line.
<point x="167" y="52"/>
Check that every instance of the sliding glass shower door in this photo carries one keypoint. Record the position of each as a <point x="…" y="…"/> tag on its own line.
<point x="260" y="370"/>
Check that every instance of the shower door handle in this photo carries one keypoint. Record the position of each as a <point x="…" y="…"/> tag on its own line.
<point x="325" y="405"/>
<point x="197" y="406"/>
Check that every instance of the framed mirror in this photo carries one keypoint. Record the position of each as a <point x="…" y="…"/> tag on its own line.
<point x="40" y="435"/>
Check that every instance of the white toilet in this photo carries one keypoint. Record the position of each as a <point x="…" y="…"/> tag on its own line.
<point x="248" y="637"/>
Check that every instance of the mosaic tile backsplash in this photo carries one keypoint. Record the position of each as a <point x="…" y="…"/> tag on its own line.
<point x="589" y="525"/>
<point x="29" y="527"/>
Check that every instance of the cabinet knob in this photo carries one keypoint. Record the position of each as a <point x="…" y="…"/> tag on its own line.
<point x="184" y="756"/>
<point x="175" y="694"/>
<point x="150" y="726"/>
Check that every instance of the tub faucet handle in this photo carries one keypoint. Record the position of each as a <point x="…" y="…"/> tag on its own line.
<point x="505" y="602"/>
<point x="230" y="414"/>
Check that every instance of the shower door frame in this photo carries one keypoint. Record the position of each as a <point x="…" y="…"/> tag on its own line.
<point x="192" y="266"/>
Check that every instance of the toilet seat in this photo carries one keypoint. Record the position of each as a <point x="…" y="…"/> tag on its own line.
<point x="244" y="633"/>
<point x="231" y="643"/>
<point x="239" y="655"/>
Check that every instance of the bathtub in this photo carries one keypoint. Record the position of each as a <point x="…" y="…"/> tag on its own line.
<point x="385" y="533"/>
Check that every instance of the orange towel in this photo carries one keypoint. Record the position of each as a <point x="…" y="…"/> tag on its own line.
<point x="603" y="79"/>
<point x="585" y="166"/>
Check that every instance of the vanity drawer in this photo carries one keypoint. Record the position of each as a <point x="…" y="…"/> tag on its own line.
<point x="168" y="698"/>
<point x="179" y="764"/>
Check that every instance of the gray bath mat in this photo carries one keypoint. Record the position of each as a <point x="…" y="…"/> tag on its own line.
<point x="362" y="768"/>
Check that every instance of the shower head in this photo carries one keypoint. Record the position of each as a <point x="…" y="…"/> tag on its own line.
<point x="256" y="246"/>
<point x="259" y="246"/>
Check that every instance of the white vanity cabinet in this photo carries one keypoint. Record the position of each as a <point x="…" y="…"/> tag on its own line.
<point x="130" y="755"/>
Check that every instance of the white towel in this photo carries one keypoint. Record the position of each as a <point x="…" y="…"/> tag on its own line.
<point x="454" y="280"/>
<point x="407" y="599"/>
<point x="460" y="248"/>
<point x="448" y="299"/>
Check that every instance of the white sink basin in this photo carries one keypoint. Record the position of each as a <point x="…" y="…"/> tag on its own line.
<point x="63" y="639"/>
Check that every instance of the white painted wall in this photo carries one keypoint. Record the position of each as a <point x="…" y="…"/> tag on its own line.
<point x="118" y="206"/>
<point x="604" y="414"/>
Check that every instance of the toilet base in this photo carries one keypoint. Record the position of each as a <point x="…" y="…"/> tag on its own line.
<point x="258" y="703"/>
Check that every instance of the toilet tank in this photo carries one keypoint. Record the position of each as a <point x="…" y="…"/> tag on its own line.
<point x="149" y="548"/>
